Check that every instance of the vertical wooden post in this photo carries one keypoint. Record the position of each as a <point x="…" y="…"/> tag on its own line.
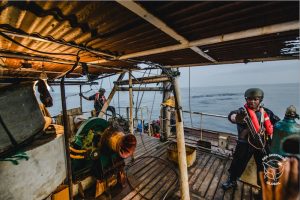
<point x="165" y="122"/>
<point x="184" y="180"/>
<point x="130" y="103"/>
<point x="168" y="122"/>
<point x="111" y="95"/>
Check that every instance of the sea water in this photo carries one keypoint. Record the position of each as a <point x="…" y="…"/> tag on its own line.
<point x="218" y="100"/>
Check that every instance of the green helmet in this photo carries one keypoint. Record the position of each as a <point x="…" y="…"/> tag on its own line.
<point x="254" y="92"/>
<point x="101" y="90"/>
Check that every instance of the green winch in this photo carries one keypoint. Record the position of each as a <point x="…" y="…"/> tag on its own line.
<point x="99" y="149"/>
<point x="284" y="128"/>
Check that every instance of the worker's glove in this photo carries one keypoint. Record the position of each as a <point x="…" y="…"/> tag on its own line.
<point x="240" y="116"/>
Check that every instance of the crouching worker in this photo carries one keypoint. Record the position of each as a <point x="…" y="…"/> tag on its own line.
<point x="254" y="126"/>
<point x="99" y="100"/>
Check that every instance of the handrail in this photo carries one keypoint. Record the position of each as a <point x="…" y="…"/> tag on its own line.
<point x="207" y="114"/>
<point x="201" y="119"/>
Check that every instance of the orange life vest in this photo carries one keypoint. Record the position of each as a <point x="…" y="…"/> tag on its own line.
<point x="98" y="98"/>
<point x="266" y="120"/>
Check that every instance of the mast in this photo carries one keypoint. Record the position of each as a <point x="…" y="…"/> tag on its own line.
<point x="184" y="182"/>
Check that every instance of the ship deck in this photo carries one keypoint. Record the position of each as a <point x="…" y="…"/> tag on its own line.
<point x="152" y="178"/>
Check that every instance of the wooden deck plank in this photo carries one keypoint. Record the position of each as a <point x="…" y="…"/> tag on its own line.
<point x="199" y="168"/>
<point x="246" y="192"/>
<point x="216" y="180"/>
<point x="150" y="187"/>
<point x="164" y="185"/>
<point x="203" y="173"/>
<point x="143" y="181"/>
<point x="220" y="192"/>
<point x="149" y="143"/>
<point x="237" y="195"/>
<point x="208" y="178"/>
<point x="159" y="153"/>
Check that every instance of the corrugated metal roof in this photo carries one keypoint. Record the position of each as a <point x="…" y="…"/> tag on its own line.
<point x="106" y="30"/>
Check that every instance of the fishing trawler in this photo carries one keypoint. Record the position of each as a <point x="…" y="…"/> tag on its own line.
<point x="59" y="42"/>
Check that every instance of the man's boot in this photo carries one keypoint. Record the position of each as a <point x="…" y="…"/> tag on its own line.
<point x="230" y="183"/>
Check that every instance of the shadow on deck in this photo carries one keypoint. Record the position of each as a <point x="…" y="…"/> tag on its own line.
<point x="152" y="178"/>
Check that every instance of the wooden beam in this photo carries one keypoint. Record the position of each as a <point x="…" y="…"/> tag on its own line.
<point x="54" y="60"/>
<point x="80" y="83"/>
<point x="254" y="32"/>
<point x="236" y="61"/>
<point x="111" y="95"/>
<point x="141" y="89"/>
<point x="143" y="13"/>
<point x="145" y="80"/>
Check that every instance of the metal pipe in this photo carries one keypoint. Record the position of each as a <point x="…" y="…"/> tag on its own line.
<point x="207" y="114"/>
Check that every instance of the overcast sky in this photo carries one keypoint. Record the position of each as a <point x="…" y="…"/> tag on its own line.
<point x="242" y="74"/>
<point x="273" y="72"/>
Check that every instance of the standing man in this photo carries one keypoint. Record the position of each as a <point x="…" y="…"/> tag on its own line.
<point x="261" y="121"/>
<point x="99" y="100"/>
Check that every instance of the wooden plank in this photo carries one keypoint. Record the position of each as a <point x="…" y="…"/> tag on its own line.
<point x="145" y="168"/>
<point x="199" y="159"/>
<point x="166" y="183"/>
<point x="216" y="179"/>
<point x="156" y="151"/>
<point x="246" y="192"/>
<point x="142" y="162"/>
<point x="254" y="192"/>
<point x="146" y="192"/>
<point x="208" y="178"/>
<point x="143" y="181"/>
<point x="220" y="192"/>
<point x="199" y="168"/>
<point x="148" y="146"/>
<point x="202" y="175"/>
<point x="237" y="195"/>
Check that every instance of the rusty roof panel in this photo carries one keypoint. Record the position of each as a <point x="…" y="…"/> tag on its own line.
<point x="112" y="30"/>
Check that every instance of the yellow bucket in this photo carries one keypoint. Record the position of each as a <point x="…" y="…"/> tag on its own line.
<point x="190" y="153"/>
